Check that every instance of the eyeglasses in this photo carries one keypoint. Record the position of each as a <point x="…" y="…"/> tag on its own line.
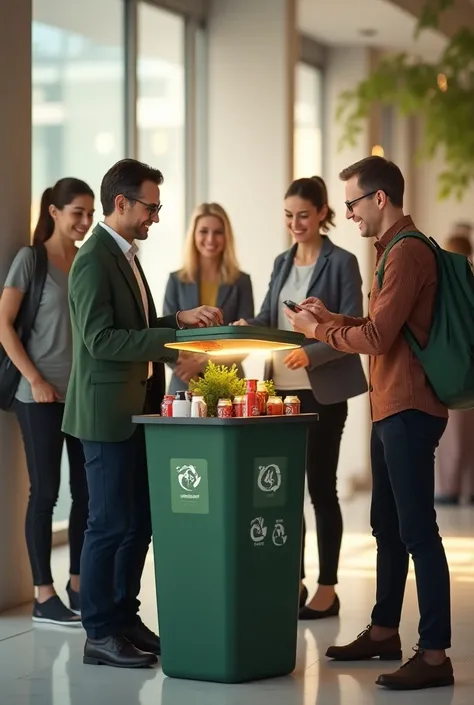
<point x="152" y="208"/>
<point x="349" y="204"/>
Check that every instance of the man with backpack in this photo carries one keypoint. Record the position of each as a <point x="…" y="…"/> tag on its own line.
<point x="408" y="422"/>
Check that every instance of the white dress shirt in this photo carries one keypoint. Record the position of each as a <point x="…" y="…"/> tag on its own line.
<point x="130" y="252"/>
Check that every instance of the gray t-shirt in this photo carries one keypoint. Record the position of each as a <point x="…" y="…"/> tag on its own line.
<point x="50" y="343"/>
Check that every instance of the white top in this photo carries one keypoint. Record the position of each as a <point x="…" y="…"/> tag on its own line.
<point x="295" y="289"/>
<point x="130" y="252"/>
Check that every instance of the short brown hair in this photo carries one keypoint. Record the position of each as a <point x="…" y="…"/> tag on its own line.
<point x="377" y="174"/>
<point x="459" y="244"/>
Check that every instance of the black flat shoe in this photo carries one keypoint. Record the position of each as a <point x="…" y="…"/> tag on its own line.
<point x="303" y="596"/>
<point x="307" y="613"/>
<point x="53" y="611"/>
<point x="116" y="651"/>
<point x="143" y="639"/>
<point x="74" y="599"/>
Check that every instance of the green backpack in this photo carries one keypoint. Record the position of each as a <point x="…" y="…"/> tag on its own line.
<point x="448" y="358"/>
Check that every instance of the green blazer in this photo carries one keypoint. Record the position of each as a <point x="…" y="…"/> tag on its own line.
<point x="112" y="343"/>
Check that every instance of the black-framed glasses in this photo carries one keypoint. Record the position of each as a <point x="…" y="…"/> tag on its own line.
<point x="152" y="208"/>
<point x="349" y="204"/>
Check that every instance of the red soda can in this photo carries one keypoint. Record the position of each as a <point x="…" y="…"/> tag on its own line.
<point x="239" y="406"/>
<point x="275" y="406"/>
<point x="292" y="406"/>
<point x="251" y="385"/>
<point x="262" y="395"/>
<point x="167" y="405"/>
<point x="225" y="409"/>
<point x="251" y="404"/>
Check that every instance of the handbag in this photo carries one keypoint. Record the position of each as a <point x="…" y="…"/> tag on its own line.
<point x="9" y="375"/>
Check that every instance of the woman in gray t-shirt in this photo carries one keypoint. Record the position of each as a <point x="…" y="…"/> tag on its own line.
<point x="45" y="363"/>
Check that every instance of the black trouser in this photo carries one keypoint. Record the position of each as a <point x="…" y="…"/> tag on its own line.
<point x="40" y="426"/>
<point x="404" y="522"/>
<point x="324" y="441"/>
<point x="117" y="537"/>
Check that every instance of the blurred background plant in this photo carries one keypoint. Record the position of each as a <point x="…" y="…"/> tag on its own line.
<point x="441" y="94"/>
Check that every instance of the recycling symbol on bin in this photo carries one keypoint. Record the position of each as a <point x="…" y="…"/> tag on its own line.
<point x="279" y="536"/>
<point x="269" y="478"/>
<point x="258" y="530"/>
<point x="188" y="477"/>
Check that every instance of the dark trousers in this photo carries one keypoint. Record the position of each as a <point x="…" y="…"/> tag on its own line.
<point x="43" y="439"/>
<point x="404" y="523"/>
<point x="324" y="442"/>
<point x="117" y="537"/>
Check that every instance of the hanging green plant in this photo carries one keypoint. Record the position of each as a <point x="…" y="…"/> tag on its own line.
<point x="442" y="94"/>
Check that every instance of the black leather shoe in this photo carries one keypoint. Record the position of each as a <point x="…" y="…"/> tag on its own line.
<point x="303" y="596"/>
<point x="307" y="613"/>
<point x="116" y="651"/>
<point x="143" y="638"/>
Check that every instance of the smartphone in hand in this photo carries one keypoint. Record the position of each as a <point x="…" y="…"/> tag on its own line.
<point x="292" y="306"/>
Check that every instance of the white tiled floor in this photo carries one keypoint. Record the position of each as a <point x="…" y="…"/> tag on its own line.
<point x="43" y="666"/>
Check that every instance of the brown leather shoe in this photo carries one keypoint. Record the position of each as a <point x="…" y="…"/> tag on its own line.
<point x="364" y="648"/>
<point x="417" y="674"/>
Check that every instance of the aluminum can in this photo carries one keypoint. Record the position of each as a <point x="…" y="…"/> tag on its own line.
<point x="225" y="409"/>
<point x="292" y="406"/>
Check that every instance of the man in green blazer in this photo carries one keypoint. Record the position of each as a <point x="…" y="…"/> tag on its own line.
<point x="117" y="337"/>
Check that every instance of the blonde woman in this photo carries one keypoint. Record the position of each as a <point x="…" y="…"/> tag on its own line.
<point x="210" y="276"/>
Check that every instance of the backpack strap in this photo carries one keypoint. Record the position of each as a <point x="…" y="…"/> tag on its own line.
<point x="401" y="236"/>
<point x="31" y="302"/>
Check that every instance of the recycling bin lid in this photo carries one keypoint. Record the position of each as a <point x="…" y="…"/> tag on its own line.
<point x="227" y="340"/>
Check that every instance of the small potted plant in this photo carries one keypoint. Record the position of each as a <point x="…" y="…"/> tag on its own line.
<point x="218" y="382"/>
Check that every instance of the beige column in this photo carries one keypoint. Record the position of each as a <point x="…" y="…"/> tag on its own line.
<point x="15" y="148"/>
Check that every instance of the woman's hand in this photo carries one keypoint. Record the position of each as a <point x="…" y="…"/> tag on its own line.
<point x="296" y="359"/>
<point x="43" y="392"/>
<point x="240" y="322"/>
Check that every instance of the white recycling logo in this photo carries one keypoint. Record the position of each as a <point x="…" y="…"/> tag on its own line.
<point x="269" y="478"/>
<point x="188" y="477"/>
<point x="258" y="530"/>
<point x="279" y="535"/>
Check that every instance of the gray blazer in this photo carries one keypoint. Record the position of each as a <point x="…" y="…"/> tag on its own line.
<point x="235" y="301"/>
<point x="336" y="280"/>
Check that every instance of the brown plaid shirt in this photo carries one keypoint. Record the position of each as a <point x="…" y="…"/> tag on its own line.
<point x="397" y="379"/>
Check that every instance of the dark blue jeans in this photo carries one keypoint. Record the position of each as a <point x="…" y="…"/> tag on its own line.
<point x="403" y="521"/>
<point x="117" y="537"/>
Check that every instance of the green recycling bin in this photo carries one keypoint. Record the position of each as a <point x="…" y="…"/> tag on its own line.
<point x="227" y="510"/>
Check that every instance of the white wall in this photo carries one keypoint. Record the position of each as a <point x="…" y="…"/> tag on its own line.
<point x="345" y="67"/>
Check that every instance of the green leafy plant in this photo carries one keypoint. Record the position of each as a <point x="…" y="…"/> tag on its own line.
<point x="441" y="93"/>
<point x="270" y="387"/>
<point x="218" y="382"/>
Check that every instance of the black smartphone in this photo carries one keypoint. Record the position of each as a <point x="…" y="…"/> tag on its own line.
<point x="292" y="306"/>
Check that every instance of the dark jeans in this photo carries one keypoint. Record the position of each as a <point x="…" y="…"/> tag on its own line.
<point x="404" y="522"/>
<point x="40" y="426"/>
<point x="117" y="537"/>
<point x="324" y="442"/>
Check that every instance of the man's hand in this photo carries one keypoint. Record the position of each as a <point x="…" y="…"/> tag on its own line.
<point x="189" y="366"/>
<point x="240" y="322"/>
<point x="318" y="309"/>
<point x="201" y="317"/>
<point x="302" y="321"/>
<point x="296" y="359"/>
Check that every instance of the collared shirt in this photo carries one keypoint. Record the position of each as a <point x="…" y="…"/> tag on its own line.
<point x="130" y="252"/>
<point x="397" y="379"/>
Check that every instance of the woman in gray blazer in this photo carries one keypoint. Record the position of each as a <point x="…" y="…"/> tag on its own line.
<point x="209" y="276"/>
<point x="323" y="378"/>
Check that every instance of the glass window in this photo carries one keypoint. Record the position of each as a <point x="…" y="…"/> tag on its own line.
<point x="77" y="110"/>
<point x="161" y="136"/>
<point x="308" y="112"/>
<point x="78" y="91"/>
